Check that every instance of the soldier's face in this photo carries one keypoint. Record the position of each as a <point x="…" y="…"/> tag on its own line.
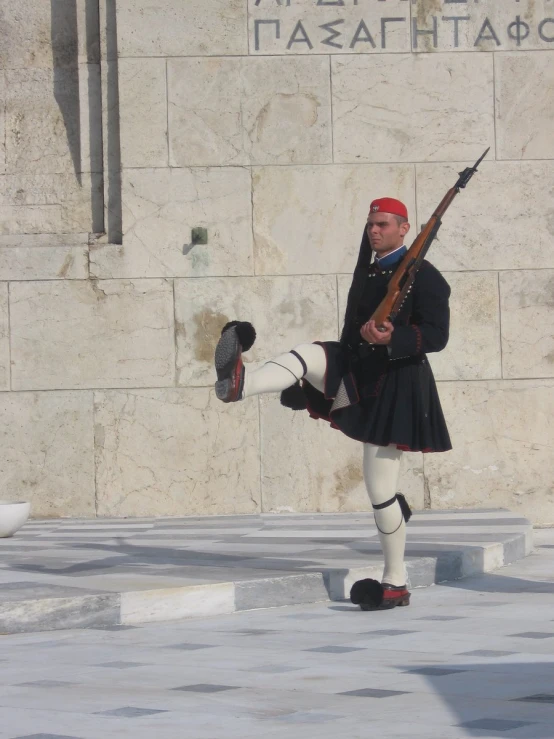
<point x="385" y="233"/>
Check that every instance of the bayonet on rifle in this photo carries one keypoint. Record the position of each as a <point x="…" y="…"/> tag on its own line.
<point x="404" y="276"/>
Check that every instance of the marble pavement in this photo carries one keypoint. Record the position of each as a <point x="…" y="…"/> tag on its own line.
<point x="474" y="658"/>
<point x="69" y="573"/>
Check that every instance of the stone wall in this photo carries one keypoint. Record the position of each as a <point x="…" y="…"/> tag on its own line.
<point x="272" y="123"/>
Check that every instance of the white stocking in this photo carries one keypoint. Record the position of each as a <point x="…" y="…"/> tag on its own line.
<point x="283" y="371"/>
<point x="381" y="471"/>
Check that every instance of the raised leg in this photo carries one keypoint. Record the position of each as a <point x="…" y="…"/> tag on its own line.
<point x="305" y="360"/>
<point x="235" y="382"/>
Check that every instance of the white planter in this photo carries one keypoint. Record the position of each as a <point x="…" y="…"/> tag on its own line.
<point x="12" y="517"/>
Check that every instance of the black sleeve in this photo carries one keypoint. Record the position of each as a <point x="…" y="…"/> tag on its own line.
<point x="428" y="326"/>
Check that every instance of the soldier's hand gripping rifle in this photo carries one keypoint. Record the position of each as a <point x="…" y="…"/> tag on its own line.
<point x="404" y="276"/>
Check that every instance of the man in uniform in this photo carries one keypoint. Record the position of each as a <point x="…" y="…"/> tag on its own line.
<point x="375" y="384"/>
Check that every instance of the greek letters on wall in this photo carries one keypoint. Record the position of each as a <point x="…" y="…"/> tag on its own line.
<point x="373" y="26"/>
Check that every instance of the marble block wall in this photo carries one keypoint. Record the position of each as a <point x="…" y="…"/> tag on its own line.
<point x="50" y="122"/>
<point x="124" y="124"/>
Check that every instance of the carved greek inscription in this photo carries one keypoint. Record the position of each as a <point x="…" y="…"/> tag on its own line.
<point x="417" y="32"/>
<point x="299" y="36"/>
<point x="362" y="35"/>
<point x="456" y="19"/>
<point x="542" y="34"/>
<point x="486" y="34"/>
<point x="365" y="26"/>
<point x="518" y="30"/>
<point x="259" y="24"/>
<point x="334" y="33"/>
<point x="304" y="35"/>
<point x="384" y="22"/>
<point x="344" y="3"/>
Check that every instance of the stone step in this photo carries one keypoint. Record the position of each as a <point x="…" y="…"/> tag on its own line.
<point x="102" y="573"/>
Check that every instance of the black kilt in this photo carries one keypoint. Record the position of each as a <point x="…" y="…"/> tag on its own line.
<point x="387" y="395"/>
<point x="401" y="406"/>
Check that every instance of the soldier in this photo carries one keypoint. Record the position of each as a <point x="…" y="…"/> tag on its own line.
<point x="375" y="384"/>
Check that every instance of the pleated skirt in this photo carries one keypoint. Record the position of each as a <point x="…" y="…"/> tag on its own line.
<point x="400" y="406"/>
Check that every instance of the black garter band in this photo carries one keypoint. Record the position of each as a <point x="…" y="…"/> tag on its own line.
<point x="272" y="361"/>
<point x="404" y="508"/>
<point x="301" y="360"/>
<point x="386" y="504"/>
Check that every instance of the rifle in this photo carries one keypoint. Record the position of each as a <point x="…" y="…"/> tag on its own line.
<point x="402" y="280"/>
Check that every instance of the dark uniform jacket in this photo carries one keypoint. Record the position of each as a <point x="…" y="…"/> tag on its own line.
<point x="387" y="394"/>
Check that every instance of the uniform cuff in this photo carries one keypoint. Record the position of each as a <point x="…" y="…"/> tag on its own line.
<point x="406" y="341"/>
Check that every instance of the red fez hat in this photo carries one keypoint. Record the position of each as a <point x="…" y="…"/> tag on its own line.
<point x="389" y="205"/>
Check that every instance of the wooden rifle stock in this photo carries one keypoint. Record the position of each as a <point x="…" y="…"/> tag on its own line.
<point x="402" y="280"/>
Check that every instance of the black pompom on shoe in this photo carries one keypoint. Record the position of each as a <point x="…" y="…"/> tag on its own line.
<point x="293" y="397"/>
<point x="368" y="594"/>
<point x="246" y="333"/>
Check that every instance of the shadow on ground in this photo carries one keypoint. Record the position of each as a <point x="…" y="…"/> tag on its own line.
<point x="495" y="699"/>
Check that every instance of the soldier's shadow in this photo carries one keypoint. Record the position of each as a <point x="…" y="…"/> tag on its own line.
<point x="502" y="695"/>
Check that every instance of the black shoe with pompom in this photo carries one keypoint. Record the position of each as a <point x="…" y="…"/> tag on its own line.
<point x="372" y="595"/>
<point x="236" y="337"/>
